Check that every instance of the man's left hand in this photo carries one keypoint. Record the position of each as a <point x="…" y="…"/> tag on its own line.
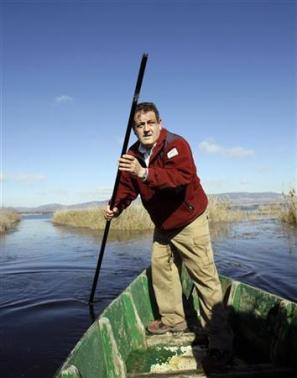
<point x="130" y="164"/>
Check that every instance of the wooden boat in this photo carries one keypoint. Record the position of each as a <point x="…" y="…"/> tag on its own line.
<point x="117" y="344"/>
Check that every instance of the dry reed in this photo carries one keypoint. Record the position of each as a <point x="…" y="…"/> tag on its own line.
<point x="221" y="210"/>
<point x="8" y="219"/>
<point x="289" y="213"/>
<point x="269" y="210"/>
<point x="136" y="218"/>
<point x="133" y="218"/>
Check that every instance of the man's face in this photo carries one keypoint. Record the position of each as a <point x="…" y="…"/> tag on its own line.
<point x="147" y="128"/>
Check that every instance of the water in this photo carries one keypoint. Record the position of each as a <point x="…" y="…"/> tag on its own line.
<point x="46" y="274"/>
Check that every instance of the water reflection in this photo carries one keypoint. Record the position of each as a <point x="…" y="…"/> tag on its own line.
<point x="289" y="233"/>
<point x="96" y="235"/>
<point x="220" y="230"/>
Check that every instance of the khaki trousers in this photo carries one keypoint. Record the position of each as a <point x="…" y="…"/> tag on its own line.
<point x="191" y="245"/>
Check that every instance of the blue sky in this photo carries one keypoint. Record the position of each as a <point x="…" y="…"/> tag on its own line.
<point x="223" y="74"/>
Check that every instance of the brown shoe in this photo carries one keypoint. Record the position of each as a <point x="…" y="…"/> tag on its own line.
<point x="157" y="327"/>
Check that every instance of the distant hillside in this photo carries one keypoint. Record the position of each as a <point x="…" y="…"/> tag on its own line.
<point x="52" y="207"/>
<point x="247" y="199"/>
<point x="236" y="198"/>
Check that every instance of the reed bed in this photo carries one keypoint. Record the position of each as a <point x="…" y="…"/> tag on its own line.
<point x="8" y="220"/>
<point x="289" y="212"/>
<point x="135" y="218"/>
<point x="270" y="210"/>
<point x="90" y="218"/>
<point x="221" y="210"/>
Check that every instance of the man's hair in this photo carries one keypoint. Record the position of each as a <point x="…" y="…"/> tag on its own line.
<point x="148" y="107"/>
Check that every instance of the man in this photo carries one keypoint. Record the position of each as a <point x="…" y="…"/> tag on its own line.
<point x="160" y="167"/>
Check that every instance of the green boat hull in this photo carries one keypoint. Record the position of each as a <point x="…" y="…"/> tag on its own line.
<point x="117" y="344"/>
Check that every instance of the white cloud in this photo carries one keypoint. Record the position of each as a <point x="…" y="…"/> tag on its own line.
<point x="103" y="193"/>
<point x="214" y="183"/>
<point x="263" y="169"/>
<point x="210" y="147"/>
<point x="97" y="194"/>
<point x="244" y="181"/>
<point x="218" y="185"/>
<point x="69" y="197"/>
<point x="63" y="99"/>
<point x="26" y="178"/>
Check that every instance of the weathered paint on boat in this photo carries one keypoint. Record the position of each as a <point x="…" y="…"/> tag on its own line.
<point x="117" y="345"/>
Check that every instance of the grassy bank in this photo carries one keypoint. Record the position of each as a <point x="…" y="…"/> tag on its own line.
<point x="8" y="220"/>
<point x="133" y="218"/>
<point x="289" y="212"/>
<point x="136" y="218"/>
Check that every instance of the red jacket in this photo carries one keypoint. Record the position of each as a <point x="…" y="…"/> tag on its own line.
<point x="172" y="193"/>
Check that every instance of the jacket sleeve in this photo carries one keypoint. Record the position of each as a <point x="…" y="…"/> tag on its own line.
<point x="126" y="193"/>
<point x="178" y="167"/>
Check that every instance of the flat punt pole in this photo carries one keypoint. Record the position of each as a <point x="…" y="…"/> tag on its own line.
<point x="117" y="180"/>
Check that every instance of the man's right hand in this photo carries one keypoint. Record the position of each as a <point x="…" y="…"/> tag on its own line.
<point x="110" y="214"/>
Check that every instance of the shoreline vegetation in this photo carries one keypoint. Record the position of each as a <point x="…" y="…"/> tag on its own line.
<point x="289" y="213"/>
<point x="135" y="218"/>
<point x="8" y="220"/>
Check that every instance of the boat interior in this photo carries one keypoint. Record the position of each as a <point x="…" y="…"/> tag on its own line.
<point x="118" y="344"/>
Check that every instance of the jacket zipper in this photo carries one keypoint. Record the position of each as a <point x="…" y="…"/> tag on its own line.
<point x="189" y="206"/>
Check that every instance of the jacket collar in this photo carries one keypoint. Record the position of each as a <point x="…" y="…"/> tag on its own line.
<point x="160" y="143"/>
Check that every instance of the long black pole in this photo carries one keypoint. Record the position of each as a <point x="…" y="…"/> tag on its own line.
<point x="116" y="184"/>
